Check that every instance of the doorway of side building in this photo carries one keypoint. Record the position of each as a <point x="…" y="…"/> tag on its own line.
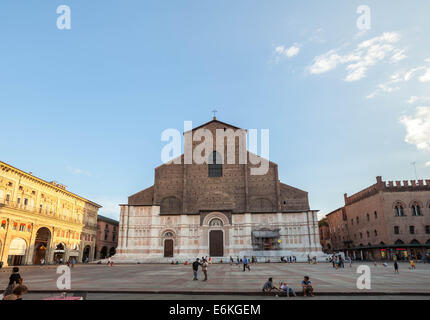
<point x="59" y="253"/>
<point x="112" y="251"/>
<point x="86" y="254"/>
<point x="43" y="237"/>
<point x="103" y="253"/>
<point x="216" y="243"/>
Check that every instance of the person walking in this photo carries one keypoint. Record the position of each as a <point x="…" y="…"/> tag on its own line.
<point x="246" y="263"/>
<point x="412" y="262"/>
<point x="195" y="267"/>
<point x="396" y="267"/>
<point x="205" y="269"/>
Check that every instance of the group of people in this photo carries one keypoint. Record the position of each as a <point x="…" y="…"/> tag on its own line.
<point x="15" y="289"/>
<point x="306" y="284"/>
<point x="339" y="262"/>
<point x="239" y="260"/>
<point x="204" y="265"/>
<point x="290" y="259"/>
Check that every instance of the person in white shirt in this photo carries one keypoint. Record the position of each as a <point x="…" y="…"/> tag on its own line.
<point x="286" y="288"/>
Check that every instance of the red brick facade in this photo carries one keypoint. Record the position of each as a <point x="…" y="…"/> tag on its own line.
<point x="186" y="188"/>
<point x="107" y="237"/>
<point x="383" y="221"/>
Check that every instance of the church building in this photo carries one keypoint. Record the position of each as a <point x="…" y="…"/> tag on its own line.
<point x="217" y="209"/>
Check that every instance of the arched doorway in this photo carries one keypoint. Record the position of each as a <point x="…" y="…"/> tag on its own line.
<point x="86" y="254"/>
<point x="168" y="244"/>
<point x="17" y="250"/>
<point x="103" y="253"/>
<point x="112" y="251"/>
<point x="168" y="248"/>
<point x="216" y="238"/>
<point x="43" y="237"/>
<point x="59" y="253"/>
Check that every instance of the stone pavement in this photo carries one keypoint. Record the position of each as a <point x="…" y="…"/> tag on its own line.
<point x="176" y="279"/>
<point x="175" y="297"/>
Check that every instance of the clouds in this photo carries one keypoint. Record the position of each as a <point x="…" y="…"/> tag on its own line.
<point x="421" y="73"/>
<point x="418" y="128"/>
<point x="77" y="171"/>
<point x="284" y="52"/>
<point x="367" y="54"/>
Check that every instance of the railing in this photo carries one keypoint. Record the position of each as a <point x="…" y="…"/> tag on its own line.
<point x="40" y="211"/>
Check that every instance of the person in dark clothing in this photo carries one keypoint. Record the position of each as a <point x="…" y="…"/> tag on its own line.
<point x="396" y="267"/>
<point x="15" y="276"/>
<point x="195" y="268"/>
<point x="14" y="279"/>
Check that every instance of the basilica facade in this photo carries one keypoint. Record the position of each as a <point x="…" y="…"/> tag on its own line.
<point x="217" y="209"/>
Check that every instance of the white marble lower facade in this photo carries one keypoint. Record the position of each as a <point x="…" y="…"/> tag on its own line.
<point x="146" y="236"/>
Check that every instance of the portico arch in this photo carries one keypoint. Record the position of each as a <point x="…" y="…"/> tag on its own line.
<point x="60" y="252"/>
<point x="41" y="245"/>
<point x="215" y="223"/>
<point x="17" y="250"/>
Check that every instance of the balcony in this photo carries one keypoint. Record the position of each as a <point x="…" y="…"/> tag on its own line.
<point x="39" y="211"/>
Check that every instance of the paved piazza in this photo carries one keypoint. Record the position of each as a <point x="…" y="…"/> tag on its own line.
<point x="176" y="279"/>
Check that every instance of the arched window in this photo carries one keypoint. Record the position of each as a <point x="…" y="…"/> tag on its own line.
<point x="416" y="210"/>
<point x="398" y="210"/>
<point x="168" y="234"/>
<point x="216" y="223"/>
<point x="215" y="165"/>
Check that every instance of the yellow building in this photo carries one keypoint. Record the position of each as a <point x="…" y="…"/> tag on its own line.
<point x="42" y="222"/>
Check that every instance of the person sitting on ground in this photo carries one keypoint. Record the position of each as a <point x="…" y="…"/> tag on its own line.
<point x="17" y="293"/>
<point x="286" y="288"/>
<point x="307" y="287"/>
<point x="268" y="286"/>
<point x="14" y="279"/>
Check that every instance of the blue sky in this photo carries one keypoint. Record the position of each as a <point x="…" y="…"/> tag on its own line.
<point x="86" y="106"/>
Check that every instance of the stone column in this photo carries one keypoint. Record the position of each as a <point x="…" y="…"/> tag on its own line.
<point x="31" y="243"/>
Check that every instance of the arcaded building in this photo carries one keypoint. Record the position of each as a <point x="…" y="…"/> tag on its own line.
<point x="43" y="222"/>
<point x="386" y="220"/>
<point x="217" y="209"/>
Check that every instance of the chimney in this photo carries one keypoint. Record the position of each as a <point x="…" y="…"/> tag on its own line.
<point x="390" y="184"/>
<point x="427" y="182"/>
<point x="421" y="183"/>
<point x="405" y="183"/>
<point x="345" y="196"/>
<point x="413" y="183"/>
<point x="398" y="184"/>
